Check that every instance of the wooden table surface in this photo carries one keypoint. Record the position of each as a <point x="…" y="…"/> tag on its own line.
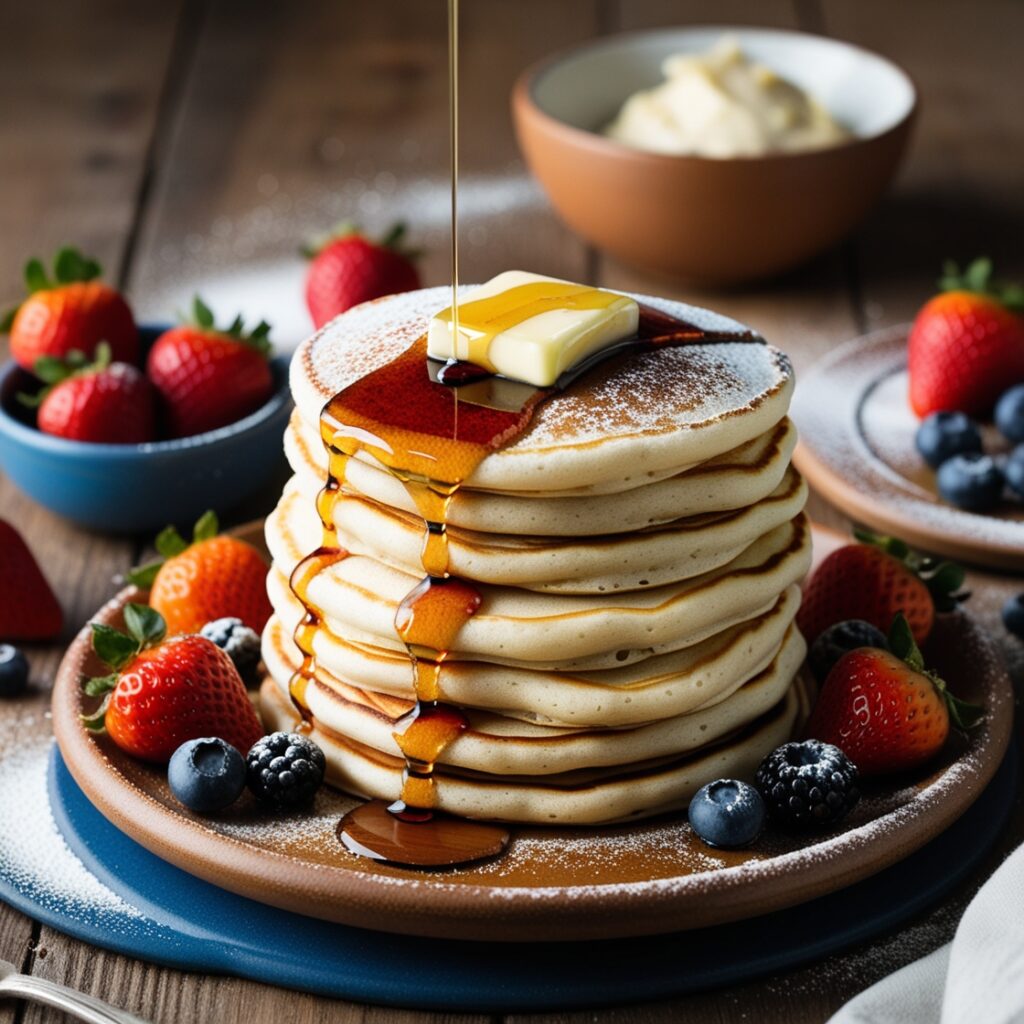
<point x="178" y="141"/>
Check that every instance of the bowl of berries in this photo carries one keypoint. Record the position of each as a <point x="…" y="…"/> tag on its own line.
<point x="123" y="427"/>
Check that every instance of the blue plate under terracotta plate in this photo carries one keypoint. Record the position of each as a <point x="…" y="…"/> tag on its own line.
<point x="172" y="918"/>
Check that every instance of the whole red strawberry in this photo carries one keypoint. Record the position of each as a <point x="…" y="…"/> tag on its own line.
<point x="163" y="692"/>
<point x="102" y="402"/>
<point x="72" y="311"/>
<point x="28" y="608"/>
<point x="207" y="377"/>
<point x="884" y="710"/>
<point x="213" y="577"/>
<point x="966" y="346"/>
<point x="349" y="268"/>
<point x="876" y="580"/>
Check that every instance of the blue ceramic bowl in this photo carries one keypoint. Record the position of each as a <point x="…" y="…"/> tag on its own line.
<point x="131" y="488"/>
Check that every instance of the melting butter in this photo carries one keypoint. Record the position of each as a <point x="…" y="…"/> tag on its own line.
<point x="532" y="328"/>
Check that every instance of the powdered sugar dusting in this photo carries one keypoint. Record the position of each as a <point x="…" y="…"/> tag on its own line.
<point x="653" y="392"/>
<point x="33" y="855"/>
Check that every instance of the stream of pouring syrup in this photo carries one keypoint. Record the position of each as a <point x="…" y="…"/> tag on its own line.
<point x="416" y="426"/>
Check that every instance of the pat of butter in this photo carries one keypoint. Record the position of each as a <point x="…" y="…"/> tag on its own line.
<point x="532" y="328"/>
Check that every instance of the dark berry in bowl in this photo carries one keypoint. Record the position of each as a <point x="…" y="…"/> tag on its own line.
<point x="1013" y="615"/>
<point x="727" y="813"/>
<point x="1014" y="470"/>
<point x="13" y="671"/>
<point x="206" y="774"/>
<point x="973" y="482"/>
<point x="945" y="434"/>
<point x="241" y="644"/>
<point x="808" y="784"/>
<point x="840" y="639"/>
<point x="285" y="769"/>
<point x="1010" y="414"/>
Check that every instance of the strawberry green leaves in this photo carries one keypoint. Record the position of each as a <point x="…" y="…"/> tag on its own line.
<point x="203" y="318"/>
<point x="170" y="543"/>
<point x="145" y="628"/>
<point x="977" y="277"/>
<point x="901" y="642"/>
<point x="944" y="580"/>
<point x="69" y="267"/>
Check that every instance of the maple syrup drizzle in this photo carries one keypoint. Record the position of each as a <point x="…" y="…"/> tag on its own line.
<point x="432" y="441"/>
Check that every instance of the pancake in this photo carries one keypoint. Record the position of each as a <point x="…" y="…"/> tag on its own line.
<point x="661" y="686"/>
<point x="591" y="797"/>
<point x="736" y="479"/>
<point x="503" y="745"/>
<point x="626" y="577"/>
<point x="687" y="404"/>
<point x="357" y="598"/>
<point x="645" y="558"/>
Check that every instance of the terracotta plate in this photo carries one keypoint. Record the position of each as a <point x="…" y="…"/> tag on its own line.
<point x="644" y="878"/>
<point x="857" y="450"/>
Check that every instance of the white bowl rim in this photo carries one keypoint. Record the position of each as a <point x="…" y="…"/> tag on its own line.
<point x="530" y="79"/>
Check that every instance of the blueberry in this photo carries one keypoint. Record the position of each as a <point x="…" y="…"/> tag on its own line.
<point x="13" y="671"/>
<point x="808" y="784"/>
<point x="971" y="481"/>
<point x="727" y="813"/>
<point x="206" y="774"/>
<point x="1010" y="414"/>
<point x="1014" y="470"/>
<point x="945" y="434"/>
<point x="241" y="643"/>
<point x="840" y="639"/>
<point x="1013" y="615"/>
<point x="285" y="769"/>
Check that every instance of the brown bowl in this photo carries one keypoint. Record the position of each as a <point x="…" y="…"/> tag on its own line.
<point x="708" y="220"/>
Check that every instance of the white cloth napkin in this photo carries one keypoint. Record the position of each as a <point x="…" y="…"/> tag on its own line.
<point x="978" y="978"/>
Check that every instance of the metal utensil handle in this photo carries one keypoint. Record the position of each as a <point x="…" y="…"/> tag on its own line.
<point x="84" y="1007"/>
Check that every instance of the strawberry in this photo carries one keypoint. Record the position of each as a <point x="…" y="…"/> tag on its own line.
<point x="874" y="581"/>
<point x="102" y="402"/>
<point x="214" y="577"/>
<point x="28" y="608"/>
<point x="966" y="346"/>
<point x="164" y="692"/>
<point x="884" y="710"/>
<point x="348" y="268"/>
<point x="209" y="377"/>
<point x="73" y="311"/>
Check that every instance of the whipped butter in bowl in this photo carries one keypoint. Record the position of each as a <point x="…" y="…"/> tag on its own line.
<point x="723" y="104"/>
<point x="714" y="155"/>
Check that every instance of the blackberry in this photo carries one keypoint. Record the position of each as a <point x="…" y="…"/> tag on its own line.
<point x="840" y="639"/>
<point x="285" y="769"/>
<point x="241" y="644"/>
<point x="808" y="784"/>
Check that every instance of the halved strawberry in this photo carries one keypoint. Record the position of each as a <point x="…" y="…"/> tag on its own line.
<point x="28" y="608"/>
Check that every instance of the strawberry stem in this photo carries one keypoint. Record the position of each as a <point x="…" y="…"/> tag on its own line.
<point x="977" y="278"/>
<point x="202" y="317"/>
<point x="944" y="580"/>
<point x="169" y="544"/>
<point x="963" y="715"/>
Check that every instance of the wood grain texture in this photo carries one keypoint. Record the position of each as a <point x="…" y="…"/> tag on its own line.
<point x="331" y="112"/>
<point x="78" y="99"/>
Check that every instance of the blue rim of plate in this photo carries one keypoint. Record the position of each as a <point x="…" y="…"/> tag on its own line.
<point x="174" y="919"/>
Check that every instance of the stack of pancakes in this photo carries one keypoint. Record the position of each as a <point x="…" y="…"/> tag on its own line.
<point x="637" y="550"/>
